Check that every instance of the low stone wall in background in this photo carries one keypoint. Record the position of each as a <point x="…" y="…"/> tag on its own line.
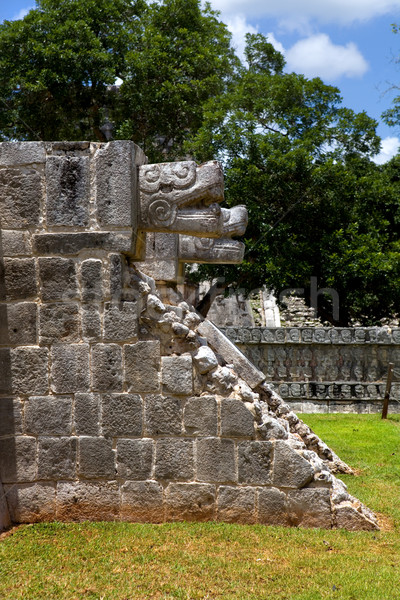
<point x="325" y="369"/>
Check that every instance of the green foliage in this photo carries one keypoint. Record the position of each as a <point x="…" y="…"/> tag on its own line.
<point x="318" y="206"/>
<point x="182" y="57"/>
<point x="58" y="66"/>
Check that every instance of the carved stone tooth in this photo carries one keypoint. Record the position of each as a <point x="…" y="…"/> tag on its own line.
<point x="203" y="250"/>
<point x="235" y="220"/>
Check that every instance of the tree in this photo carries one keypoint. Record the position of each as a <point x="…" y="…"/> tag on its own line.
<point x="59" y="64"/>
<point x="182" y="58"/>
<point x="318" y="206"/>
<point x="56" y="66"/>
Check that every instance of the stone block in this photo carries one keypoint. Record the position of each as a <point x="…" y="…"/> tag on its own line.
<point x="163" y="415"/>
<point x="115" y="173"/>
<point x="88" y="501"/>
<point x="17" y="279"/>
<point x="122" y="415"/>
<point x="70" y="368"/>
<point x="107" y="368"/>
<point x="69" y="148"/>
<point x="272" y="507"/>
<point x="29" y="370"/>
<point x="32" y="502"/>
<point x="160" y="270"/>
<point x="236" y="419"/>
<point x="205" y="360"/>
<point x="315" y="407"/>
<point x="271" y="429"/>
<point x="22" y="153"/>
<point x="18" y="324"/>
<point x="290" y="469"/>
<point x="68" y="191"/>
<point x="91" y="323"/>
<point x="48" y="415"/>
<point x="255" y="462"/>
<point x="201" y="416"/>
<point x="190" y="502"/>
<point x="17" y="459"/>
<point x="142" y="364"/>
<point x="10" y="416"/>
<point x="116" y="277"/>
<point x="56" y="458"/>
<point x="174" y="459"/>
<point x="16" y="243"/>
<point x="348" y="517"/>
<point x="236" y="504"/>
<point x="161" y="253"/>
<point x="92" y="280"/>
<point x="177" y="374"/>
<point x="58" y="279"/>
<point x="96" y="458"/>
<point x="216" y="460"/>
<point x="142" y="501"/>
<point x="20" y="196"/>
<point x="87" y="414"/>
<point x="161" y="245"/>
<point x="135" y="458"/>
<point x="120" y="321"/>
<point x="310" y="507"/>
<point x="59" y="322"/>
<point x="73" y="243"/>
<point x="230" y="353"/>
<point x="5" y="371"/>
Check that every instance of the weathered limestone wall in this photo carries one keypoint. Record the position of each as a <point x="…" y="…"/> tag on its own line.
<point x="115" y="404"/>
<point x="325" y="369"/>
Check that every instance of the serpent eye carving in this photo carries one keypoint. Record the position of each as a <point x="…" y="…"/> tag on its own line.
<point x="149" y="178"/>
<point x="184" y="173"/>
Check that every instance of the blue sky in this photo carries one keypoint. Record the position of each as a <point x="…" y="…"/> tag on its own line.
<point x="348" y="43"/>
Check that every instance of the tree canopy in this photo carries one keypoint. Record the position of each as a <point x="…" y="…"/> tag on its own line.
<point x="318" y="206"/>
<point x="301" y="161"/>
<point x="59" y="65"/>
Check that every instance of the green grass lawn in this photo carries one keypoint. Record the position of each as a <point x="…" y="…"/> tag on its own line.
<point x="219" y="561"/>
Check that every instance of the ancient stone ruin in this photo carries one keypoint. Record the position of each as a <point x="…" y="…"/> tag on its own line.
<point x="117" y="400"/>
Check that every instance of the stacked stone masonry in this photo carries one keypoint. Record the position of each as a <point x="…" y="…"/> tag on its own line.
<point x="118" y="402"/>
<point x="325" y="369"/>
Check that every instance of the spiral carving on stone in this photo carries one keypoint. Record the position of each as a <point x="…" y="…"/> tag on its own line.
<point x="161" y="213"/>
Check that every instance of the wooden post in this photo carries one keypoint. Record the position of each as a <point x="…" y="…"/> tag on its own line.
<point x="387" y="392"/>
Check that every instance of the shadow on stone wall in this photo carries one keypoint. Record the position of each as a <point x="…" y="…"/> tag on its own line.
<point x="7" y="420"/>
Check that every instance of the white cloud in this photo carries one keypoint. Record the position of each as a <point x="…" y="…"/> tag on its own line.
<point x="324" y="11"/>
<point x="238" y="26"/>
<point x="390" y="147"/>
<point x="318" y="56"/>
<point x="22" y="13"/>
<point x="276" y="44"/>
